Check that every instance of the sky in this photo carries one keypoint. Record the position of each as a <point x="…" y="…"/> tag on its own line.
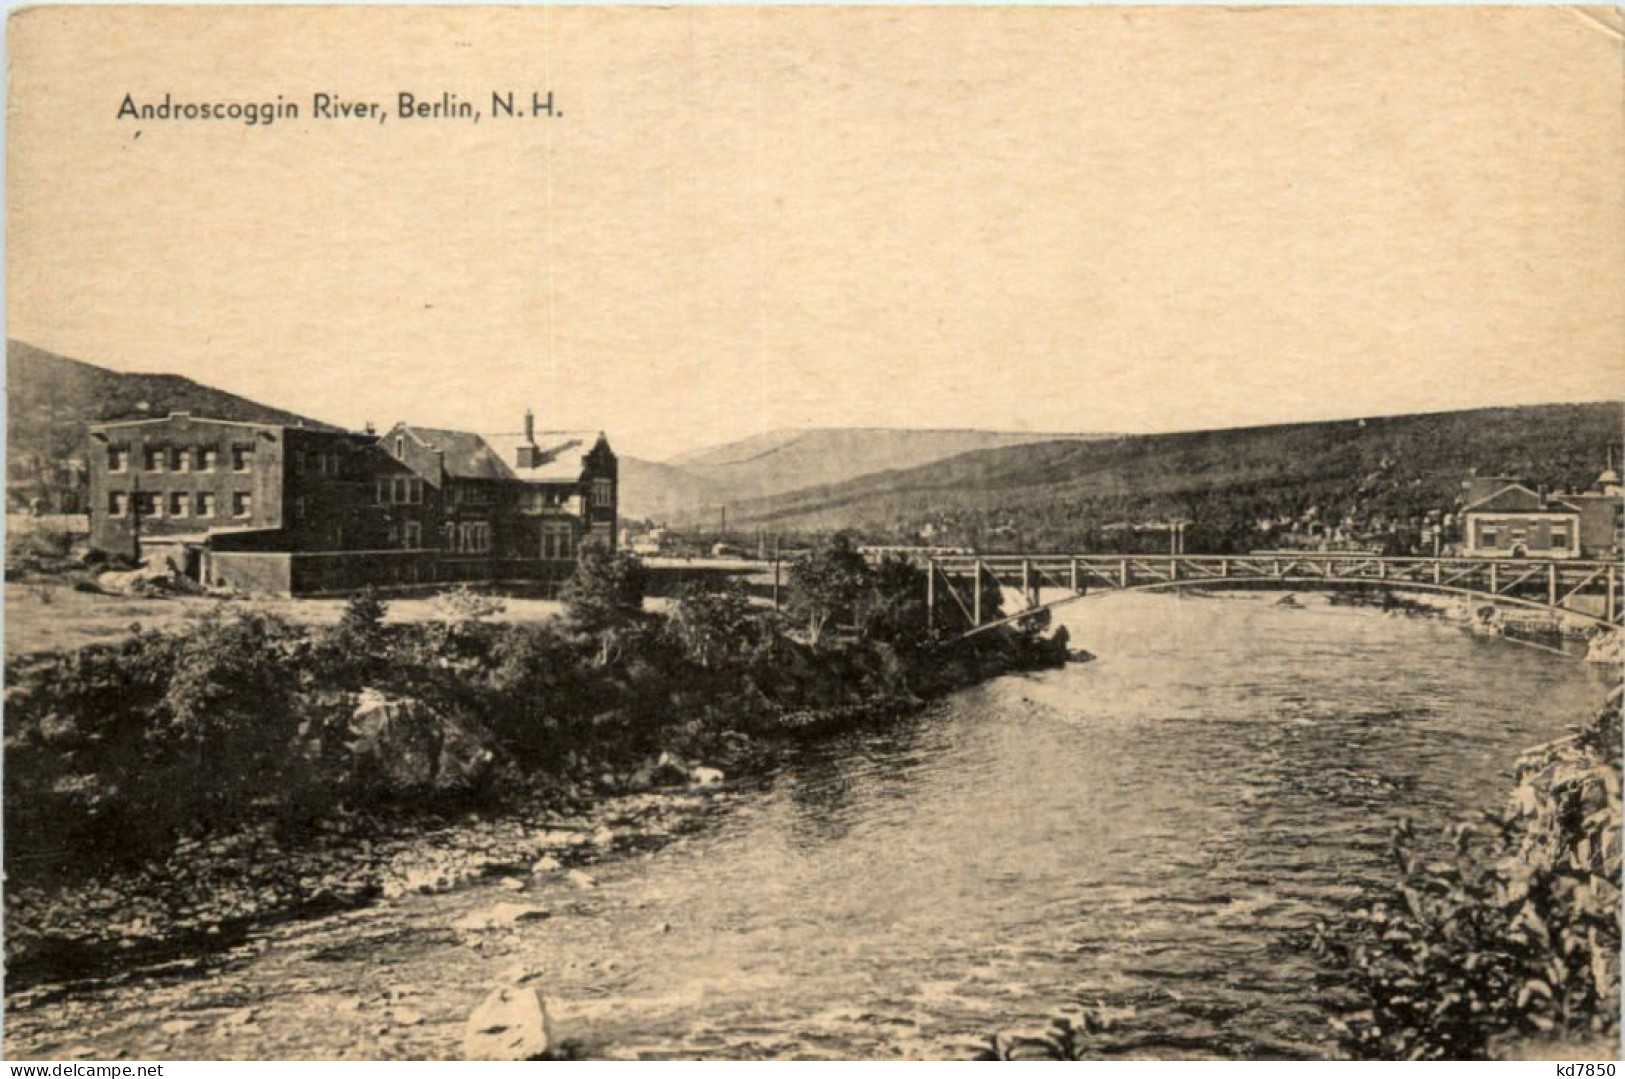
<point x="744" y="219"/>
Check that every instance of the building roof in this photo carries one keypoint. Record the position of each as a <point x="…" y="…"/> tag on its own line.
<point x="1516" y="498"/>
<point x="472" y="456"/>
<point x="560" y="459"/>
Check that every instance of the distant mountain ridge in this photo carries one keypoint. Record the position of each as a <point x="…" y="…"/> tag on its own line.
<point x="1056" y="495"/>
<point x="51" y="400"/>
<point x="691" y="487"/>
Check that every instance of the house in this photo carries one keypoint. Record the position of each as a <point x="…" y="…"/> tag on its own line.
<point x="526" y="495"/>
<point x="1519" y="522"/>
<point x="221" y="499"/>
<point x="285" y="509"/>
<point x="1602" y="516"/>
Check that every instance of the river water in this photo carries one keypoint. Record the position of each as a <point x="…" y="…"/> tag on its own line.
<point x="1148" y="835"/>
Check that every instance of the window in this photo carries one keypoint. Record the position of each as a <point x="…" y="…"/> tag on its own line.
<point x="183" y="459"/>
<point x="207" y="457"/>
<point x="400" y="447"/>
<point x="299" y="509"/>
<point x="298" y="462"/>
<point x="205" y="503"/>
<point x="1560" y="538"/>
<point x="558" y="541"/>
<point x="472" y="537"/>
<point x="242" y="458"/>
<point x="603" y="492"/>
<point x="155" y="458"/>
<point x="412" y="536"/>
<point x="118" y="458"/>
<point x="148" y="505"/>
<point x="242" y="504"/>
<point x="118" y="503"/>
<point x="180" y="504"/>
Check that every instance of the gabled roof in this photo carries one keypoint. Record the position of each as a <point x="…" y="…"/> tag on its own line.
<point x="1516" y="498"/>
<point x="468" y="457"/>
<point x="472" y="456"/>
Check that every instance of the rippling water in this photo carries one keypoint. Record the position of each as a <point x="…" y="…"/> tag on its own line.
<point x="1148" y="834"/>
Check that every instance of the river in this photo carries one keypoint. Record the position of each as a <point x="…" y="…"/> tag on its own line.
<point x="1149" y="835"/>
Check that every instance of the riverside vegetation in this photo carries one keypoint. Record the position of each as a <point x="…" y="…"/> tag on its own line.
<point x="168" y="789"/>
<point x="1506" y="945"/>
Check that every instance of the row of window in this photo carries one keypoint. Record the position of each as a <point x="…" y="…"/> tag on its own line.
<point x="470" y="537"/>
<point x="398" y="491"/>
<point x="180" y="458"/>
<point x="150" y="505"/>
<point x="321" y="462"/>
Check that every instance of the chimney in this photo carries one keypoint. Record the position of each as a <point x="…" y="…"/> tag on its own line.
<point x="530" y="426"/>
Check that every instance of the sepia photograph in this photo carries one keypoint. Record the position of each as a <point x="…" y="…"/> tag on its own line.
<point x="836" y="533"/>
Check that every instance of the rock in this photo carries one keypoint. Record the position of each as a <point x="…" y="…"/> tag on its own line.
<point x="604" y="837"/>
<point x="406" y="1017"/>
<point x="668" y="771"/>
<point x="413" y="747"/>
<point x="705" y="777"/>
<point x="510" y="1024"/>
<point x="498" y="917"/>
<point x="513" y="884"/>
<point x="177" y="1026"/>
<point x="580" y="879"/>
<point x="548" y="864"/>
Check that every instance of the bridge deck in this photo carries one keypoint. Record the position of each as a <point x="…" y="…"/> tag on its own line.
<point x="1584" y="589"/>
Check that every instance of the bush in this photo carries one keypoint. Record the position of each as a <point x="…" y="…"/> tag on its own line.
<point x="1515" y="935"/>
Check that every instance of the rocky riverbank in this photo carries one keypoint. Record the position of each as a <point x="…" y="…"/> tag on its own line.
<point x="207" y="895"/>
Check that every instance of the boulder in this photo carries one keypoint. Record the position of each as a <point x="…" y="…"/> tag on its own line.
<point x="510" y="1024"/>
<point x="413" y="747"/>
<point x="705" y="777"/>
<point x="668" y="771"/>
<point x="581" y="880"/>
<point x="546" y="864"/>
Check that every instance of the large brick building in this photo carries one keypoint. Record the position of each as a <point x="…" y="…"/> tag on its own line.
<point x="284" y="509"/>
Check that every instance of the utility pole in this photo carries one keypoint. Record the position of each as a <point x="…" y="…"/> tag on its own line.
<point x="775" y="571"/>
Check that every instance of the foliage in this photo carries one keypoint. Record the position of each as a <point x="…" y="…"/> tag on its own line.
<point x="605" y="591"/>
<point x="715" y="625"/>
<point x="1516" y="934"/>
<point x="828" y="585"/>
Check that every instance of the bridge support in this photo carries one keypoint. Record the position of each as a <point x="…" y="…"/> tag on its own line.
<point x="930" y="598"/>
<point x="976" y="596"/>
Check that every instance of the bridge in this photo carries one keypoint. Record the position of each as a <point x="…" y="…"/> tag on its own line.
<point x="1585" y="590"/>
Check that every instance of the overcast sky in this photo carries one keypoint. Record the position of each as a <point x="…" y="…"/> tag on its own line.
<point x="1124" y="220"/>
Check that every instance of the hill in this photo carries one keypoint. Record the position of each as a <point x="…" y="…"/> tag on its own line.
<point x="1376" y="473"/>
<point x="691" y="486"/>
<point x="51" y="399"/>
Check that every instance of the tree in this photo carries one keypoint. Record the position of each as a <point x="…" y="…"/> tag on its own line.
<point x="604" y="595"/>
<point x="714" y="625"/>
<point x="829" y="584"/>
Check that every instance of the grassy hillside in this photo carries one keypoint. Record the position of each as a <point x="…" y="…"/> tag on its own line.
<point x="661" y="491"/>
<point x="690" y="486"/>
<point x="50" y="400"/>
<point x="1058" y="495"/>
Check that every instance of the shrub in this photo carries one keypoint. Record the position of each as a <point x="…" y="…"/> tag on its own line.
<point x="828" y="585"/>
<point x="1515" y="934"/>
<point x="605" y="591"/>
